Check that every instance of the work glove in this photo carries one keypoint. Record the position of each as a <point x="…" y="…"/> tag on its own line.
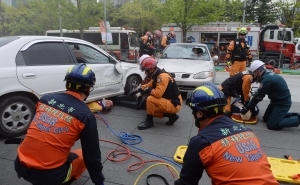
<point x="147" y="91"/>
<point x="135" y="91"/>
<point x="245" y="109"/>
<point x="229" y="63"/>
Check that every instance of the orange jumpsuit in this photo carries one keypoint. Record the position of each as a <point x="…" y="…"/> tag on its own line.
<point x="229" y="152"/>
<point x="239" y="84"/>
<point x="44" y="155"/>
<point x="165" y="41"/>
<point x="237" y="53"/>
<point x="163" y="93"/>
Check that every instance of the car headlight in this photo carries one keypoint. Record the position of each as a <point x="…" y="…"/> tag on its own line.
<point x="203" y="75"/>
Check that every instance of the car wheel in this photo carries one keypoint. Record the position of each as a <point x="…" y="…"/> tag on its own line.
<point x="273" y="61"/>
<point x="131" y="83"/>
<point x="16" y="114"/>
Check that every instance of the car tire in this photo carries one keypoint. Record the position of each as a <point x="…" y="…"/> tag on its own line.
<point x="16" y="111"/>
<point x="273" y="61"/>
<point x="131" y="83"/>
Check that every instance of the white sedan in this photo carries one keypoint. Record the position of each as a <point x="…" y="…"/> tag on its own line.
<point x="32" y="66"/>
<point x="189" y="63"/>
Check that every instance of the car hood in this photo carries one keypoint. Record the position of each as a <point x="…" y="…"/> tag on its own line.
<point x="185" y="65"/>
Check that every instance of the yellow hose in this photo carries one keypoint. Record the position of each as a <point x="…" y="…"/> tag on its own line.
<point x="165" y="164"/>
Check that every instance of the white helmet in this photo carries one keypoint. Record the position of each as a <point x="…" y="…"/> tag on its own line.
<point x="255" y="65"/>
<point x="247" y="116"/>
<point x="215" y="58"/>
<point x="142" y="58"/>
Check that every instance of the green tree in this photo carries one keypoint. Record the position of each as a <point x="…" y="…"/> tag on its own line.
<point x="289" y="11"/>
<point x="186" y="13"/>
<point x="233" y="10"/>
<point x="261" y="11"/>
<point x="141" y="15"/>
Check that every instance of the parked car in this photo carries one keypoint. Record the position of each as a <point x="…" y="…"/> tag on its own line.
<point x="188" y="68"/>
<point x="32" y="66"/>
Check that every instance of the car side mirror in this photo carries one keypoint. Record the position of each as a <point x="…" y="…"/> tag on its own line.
<point x="118" y="68"/>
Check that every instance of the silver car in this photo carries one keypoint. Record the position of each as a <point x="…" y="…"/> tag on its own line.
<point x="189" y="63"/>
<point x="32" y="66"/>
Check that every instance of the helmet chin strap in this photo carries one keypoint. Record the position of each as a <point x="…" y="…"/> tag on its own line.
<point x="197" y="120"/>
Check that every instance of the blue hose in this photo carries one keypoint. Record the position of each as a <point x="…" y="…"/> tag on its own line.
<point x="132" y="139"/>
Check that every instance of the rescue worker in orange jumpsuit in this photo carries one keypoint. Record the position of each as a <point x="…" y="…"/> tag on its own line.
<point x="238" y="52"/>
<point x="229" y="152"/>
<point x="164" y="98"/>
<point x="166" y="39"/>
<point x="45" y="156"/>
<point x="146" y="46"/>
<point x="235" y="86"/>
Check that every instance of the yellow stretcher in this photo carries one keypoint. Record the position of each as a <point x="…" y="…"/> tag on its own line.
<point x="283" y="170"/>
<point x="238" y="119"/>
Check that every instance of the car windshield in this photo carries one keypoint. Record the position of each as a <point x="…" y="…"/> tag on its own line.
<point x="186" y="51"/>
<point x="6" y="40"/>
<point x="133" y="39"/>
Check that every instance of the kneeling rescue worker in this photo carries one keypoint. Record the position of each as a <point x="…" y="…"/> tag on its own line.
<point x="229" y="152"/>
<point x="235" y="86"/>
<point x="164" y="98"/>
<point x="276" y="115"/>
<point x="44" y="157"/>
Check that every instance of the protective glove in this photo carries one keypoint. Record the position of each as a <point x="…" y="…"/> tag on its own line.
<point x="229" y="63"/>
<point x="245" y="109"/>
<point x="135" y="91"/>
<point x="147" y="91"/>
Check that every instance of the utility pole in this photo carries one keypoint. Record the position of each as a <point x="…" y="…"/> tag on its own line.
<point x="60" y="18"/>
<point x="244" y="11"/>
<point x="104" y="4"/>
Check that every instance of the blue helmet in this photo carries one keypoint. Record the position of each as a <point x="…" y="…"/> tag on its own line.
<point x="81" y="74"/>
<point x="207" y="97"/>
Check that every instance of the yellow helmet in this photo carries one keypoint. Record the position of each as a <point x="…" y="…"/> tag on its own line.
<point x="243" y="31"/>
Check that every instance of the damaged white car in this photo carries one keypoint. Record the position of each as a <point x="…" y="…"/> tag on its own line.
<point x="33" y="66"/>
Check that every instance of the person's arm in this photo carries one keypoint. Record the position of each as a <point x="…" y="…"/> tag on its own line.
<point x="262" y="91"/>
<point x="164" y="41"/>
<point x="230" y="48"/>
<point x="147" y="85"/>
<point x="91" y="149"/>
<point x="247" y="81"/>
<point x="249" y="55"/>
<point x="161" y="85"/>
<point x="192" y="168"/>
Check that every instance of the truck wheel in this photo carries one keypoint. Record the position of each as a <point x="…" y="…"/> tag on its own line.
<point x="16" y="114"/>
<point x="272" y="60"/>
<point x="131" y="83"/>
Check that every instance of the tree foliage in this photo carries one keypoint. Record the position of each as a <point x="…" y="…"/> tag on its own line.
<point x="289" y="11"/>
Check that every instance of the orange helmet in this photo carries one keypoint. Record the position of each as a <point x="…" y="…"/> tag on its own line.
<point x="148" y="63"/>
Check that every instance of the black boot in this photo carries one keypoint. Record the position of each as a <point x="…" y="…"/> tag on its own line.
<point x="172" y="118"/>
<point x="148" y="123"/>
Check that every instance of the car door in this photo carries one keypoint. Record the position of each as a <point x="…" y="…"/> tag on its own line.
<point x="108" y="79"/>
<point x="42" y="65"/>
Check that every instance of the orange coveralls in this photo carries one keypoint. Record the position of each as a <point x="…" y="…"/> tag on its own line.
<point x="237" y="65"/>
<point x="165" y="41"/>
<point x="156" y="105"/>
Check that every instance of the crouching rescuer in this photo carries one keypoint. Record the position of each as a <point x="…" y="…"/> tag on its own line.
<point x="229" y="152"/>
<point x="164" y="98"/>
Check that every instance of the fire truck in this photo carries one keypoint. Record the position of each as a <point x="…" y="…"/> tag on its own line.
<point x="276" y="46"/>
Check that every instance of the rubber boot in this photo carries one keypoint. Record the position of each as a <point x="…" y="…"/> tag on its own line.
<point x="148" y="123"/>
<point x="172" y="118"/>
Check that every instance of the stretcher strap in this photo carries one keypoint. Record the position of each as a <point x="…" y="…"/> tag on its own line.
<point x="156" y="175"/>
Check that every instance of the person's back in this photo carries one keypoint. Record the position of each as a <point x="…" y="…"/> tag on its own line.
<point x="229" y="152"/>
<point x="45" y="156"/>
<point x="270" y="83"/>
<point x="55" y="128"/>
<point x="232" y="153"/>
